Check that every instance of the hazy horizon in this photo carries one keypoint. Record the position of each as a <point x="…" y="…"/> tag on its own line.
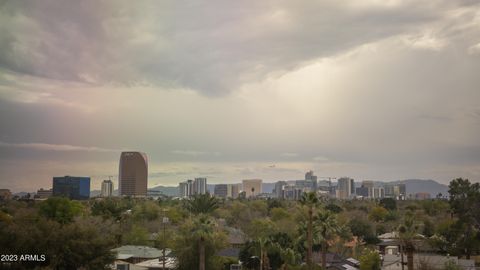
<point x="373" y="90"/>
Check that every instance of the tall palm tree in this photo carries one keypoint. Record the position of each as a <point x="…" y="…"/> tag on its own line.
<point x="309" y="200"/>
<point x="264" y="243"/>
<point x="203" y="229"/>
<point x="202" y="203"/>
<point x="408" y="232"/>
<point x="326" y="228"/>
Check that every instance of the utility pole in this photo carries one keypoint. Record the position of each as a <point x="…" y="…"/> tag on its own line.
<point x="401" y="252"/>
<point x="164" y="221"/>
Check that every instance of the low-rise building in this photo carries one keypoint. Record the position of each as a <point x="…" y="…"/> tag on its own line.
<point x="425" y="261"/>
<point x="422" y="196"/>
<point x="44" y="193"/>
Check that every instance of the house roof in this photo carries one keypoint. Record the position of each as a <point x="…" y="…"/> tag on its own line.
<point x="432" y="259"/>
<point x="394" y="235"/>
<point x="139" y="252"/>
<point x="349" y="267"/>
<point x="388" y="235"/>
<point x="170" y="263"/>
<point x="124" y="256"/>
<point x="352" y="260"/>
<point x="229" y="252"/>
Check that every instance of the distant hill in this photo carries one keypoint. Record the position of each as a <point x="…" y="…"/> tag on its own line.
<point x="421" y="185"/>
<point x="166" y="190"/>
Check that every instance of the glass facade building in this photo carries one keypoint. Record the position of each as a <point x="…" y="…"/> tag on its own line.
<point x="73" y="187"/>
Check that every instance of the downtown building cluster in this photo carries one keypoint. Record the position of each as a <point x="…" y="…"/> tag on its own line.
<point x="344" y="188"/>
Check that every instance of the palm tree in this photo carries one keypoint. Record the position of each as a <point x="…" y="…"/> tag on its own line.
<point x="288" y="255"/>
<point x="326" y="227"/>
<point x="203" y="229"/>
<point x="265" y="243"/>
<point x="202" y="203"/>
<point x="310" y="200"/>
<point x="408" y="232"/>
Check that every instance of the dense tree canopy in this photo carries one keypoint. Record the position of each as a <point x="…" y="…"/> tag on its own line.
<point x="60" y="209"/>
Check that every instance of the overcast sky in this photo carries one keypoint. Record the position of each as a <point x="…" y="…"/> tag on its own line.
<point x="230" y="90"/>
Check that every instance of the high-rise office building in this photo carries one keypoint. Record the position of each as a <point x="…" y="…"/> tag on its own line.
<point x="221" y="190"/>
<point x="376" y="192"/>
<point x="365" y="189"/>
<point x="133" y="174"/>
<point x="368" y="184"/>
<point x="252" y="187"/>
<point x="187" y="189"/>
<point x="75" y="188"/>
<point x="200" y="185"/>
<point x="107" y="188"/>
<point x="234" y="190"/>
<point x="397" y="191"/>
<point x="362" y="191"/>
<point x="311" y="180"/>
<point x="345" y="188"/>
<point x="183" y="189"/>
<point x="389" y="191"/>
<point x="402" y="191"/>
<point x="292" y="192"/>
<point x="278" y="191"/>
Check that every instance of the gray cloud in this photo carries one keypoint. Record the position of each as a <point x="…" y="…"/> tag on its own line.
<point x="194" y="153"/>
<point x="213" y="47"/>
<point x="57" y="147"/>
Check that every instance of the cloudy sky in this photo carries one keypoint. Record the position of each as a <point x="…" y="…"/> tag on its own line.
<point x="371" y="89"/>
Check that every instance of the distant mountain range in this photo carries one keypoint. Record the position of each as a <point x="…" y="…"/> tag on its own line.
<point x="412" y="185"/>
<point x="420" y="185"/>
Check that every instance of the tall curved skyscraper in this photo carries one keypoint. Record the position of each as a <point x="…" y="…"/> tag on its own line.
<point x="133" y="174"/>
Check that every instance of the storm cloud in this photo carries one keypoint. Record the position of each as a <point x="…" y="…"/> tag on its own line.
<point x="214" y="46"/>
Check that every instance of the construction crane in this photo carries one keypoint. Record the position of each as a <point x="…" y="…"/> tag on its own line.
<point x="329" y="179"/>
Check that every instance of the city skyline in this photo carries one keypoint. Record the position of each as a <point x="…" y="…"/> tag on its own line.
<point x="377" y="90"/>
